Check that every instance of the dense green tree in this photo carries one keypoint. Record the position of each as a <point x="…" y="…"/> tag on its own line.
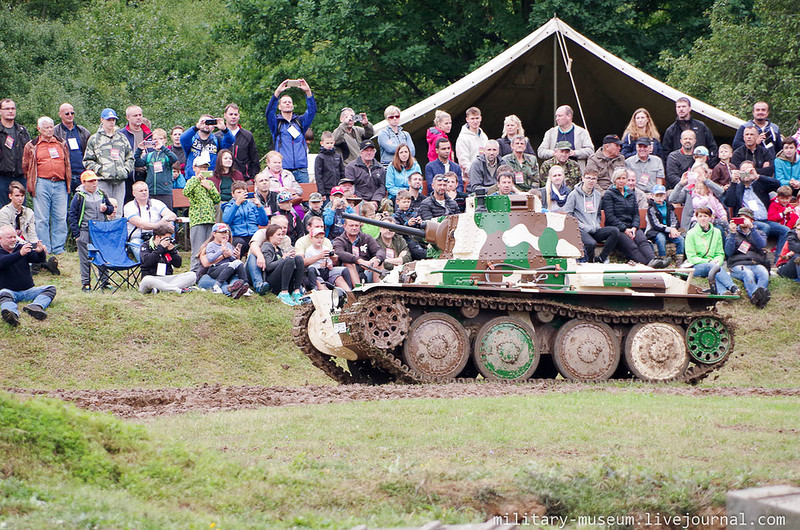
<point x="751" y="53"/>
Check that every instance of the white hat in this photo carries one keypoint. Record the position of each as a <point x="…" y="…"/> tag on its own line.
<point x="202" y="160"/>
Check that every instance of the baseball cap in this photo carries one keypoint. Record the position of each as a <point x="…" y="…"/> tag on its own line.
<point x="612" y="139"/>
<point x="563" y="145"/>
<point x="317" y="231"/>
<point x="220" y="227"/>
<point x="284" y="196"/>
<point x="367" y="144"/>
<point x="336" y="190"/>
<point x="644" y="140"/>
<point x="658" y="188"/>
<point x="88" y="175"/>
<point x="315" y="197"/>
<point x="345" y="180"/>
<point x="700" y="151"/>
<point x="746" y="212"/>
<point x="202" y="160"/>
<point x="108" y="114"/>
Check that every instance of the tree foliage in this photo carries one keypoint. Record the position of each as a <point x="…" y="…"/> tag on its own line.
<point x="752" y="53"/>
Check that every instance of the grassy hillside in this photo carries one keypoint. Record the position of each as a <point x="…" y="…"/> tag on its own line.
<point x="128" y="340"/>
<point x="391" y="463"/>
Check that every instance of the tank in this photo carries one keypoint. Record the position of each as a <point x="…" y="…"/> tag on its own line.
<point x="504" y="298"/>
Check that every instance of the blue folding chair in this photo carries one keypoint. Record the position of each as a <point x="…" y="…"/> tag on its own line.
<point x="108" y="253"/>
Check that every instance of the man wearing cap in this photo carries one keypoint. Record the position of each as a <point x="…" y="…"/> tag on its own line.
<point x="572" y="171"/>
<point x="442" y="164"/>
<point x="581" y="146"/>
<point x="648" y="168"/>
<point x="76" y="138"/>
<point x="769" y="134"/>
<point x="438" y="203"/>
<point x="605" y="160"/>
<point x="348" y="187"/>
<point x="16" y="282"/>
<point x="745" y="248"/>
<point x="584" y="203"/>
<point x="679" y="161"/>
<point x="288" y="130"/>
<point x="203" y="198"/>
<point x="88" y="204"/>
<point x="332" y="216"/>
<point x="349" y="137"/>
<point x="672" y="140"/>
<point x="754" y="151"/>
<point x="483" y="170"/>
<point x="369" y="177"/>
<point x="13" y="138"/>
<point x="109" y="156"/>
<point x="46" y="164"/>
<point x="750" y="190"/>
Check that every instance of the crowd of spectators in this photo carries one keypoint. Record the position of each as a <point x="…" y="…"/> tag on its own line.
<point x="625" y="194"/>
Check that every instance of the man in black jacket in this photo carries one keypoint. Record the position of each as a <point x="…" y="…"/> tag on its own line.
<point x="245" y="152"/>
<point x="13" y="138"/>
<point x="16" y="282"/>
<point x="684" y="122"/>
<point x="357" y="250"/>
<point x="754" y="151"/>
<point x="438" y="203"/>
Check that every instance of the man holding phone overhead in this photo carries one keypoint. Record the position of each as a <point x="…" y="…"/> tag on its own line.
<point x="288" y="129"/>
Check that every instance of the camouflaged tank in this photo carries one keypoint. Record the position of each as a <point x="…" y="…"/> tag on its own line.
<point x="506" y="300"/>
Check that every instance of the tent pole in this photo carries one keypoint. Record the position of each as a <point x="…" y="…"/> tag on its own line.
<point x="555" y="76"/>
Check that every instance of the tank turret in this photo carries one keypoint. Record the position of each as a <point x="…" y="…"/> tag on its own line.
<point x="503" y="297"/>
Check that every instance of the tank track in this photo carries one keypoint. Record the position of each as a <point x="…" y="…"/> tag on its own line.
<point x="385" y="359"/>
<point x="326" y="363"/>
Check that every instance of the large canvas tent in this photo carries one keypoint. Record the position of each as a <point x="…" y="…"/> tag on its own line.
<point x="531" y="79"/>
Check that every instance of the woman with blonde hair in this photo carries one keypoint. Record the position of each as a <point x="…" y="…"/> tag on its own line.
<point x="555" y="191"/>
<point x="392" y="136"/>
<point x="512" y="126"/>
<point x="442" y="123"/>
<point x="640" y="126"/>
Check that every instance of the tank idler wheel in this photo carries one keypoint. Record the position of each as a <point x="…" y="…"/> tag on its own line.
<point x="656" y="351"/>
<point x="385" y="323"/>
<point x="505" y="349"/>
<point x="437" y="346"/>
<point x="586" y="351"/>
<point x="708" y="340"/>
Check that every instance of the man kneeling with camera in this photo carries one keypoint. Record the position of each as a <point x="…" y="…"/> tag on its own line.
<point x="159" y="256"/>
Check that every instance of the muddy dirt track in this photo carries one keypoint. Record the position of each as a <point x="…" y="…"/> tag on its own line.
<point x="144" y="403"/>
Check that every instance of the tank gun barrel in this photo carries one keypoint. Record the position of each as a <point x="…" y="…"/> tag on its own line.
<point x="400" y="229"/>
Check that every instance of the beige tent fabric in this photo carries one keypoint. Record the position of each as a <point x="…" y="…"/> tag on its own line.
<point x="520" y="81"/>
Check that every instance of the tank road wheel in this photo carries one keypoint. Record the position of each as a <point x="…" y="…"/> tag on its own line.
<point x="708" y="340"/>
<point x="505" y="349"/>
<point x="656" y="351"/>
<point x="385" y="323"/>
<point x="437" y="346"/>
<point x="586" y="351"/>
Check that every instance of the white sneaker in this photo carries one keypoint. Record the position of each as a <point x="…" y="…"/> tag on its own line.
<point x="773" y="272"/>
<point x="216" y="289"/>
<point x="248" y="293"/>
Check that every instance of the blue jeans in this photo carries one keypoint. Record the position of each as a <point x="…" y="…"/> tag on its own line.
<point x="773" y="229"/>
<point x="207" y="282"/>
<point x="661" y="244"/>
<point x="753" y="277"/>
<point x="790" y="270"/>
<point x="722" y="280"/>
<point x="41" y="296"/>
<point x="254" y="272"/>
<point x="300" y="175"/>
<point x="50" y="214"/>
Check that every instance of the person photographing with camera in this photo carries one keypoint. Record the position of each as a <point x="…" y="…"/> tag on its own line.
<point x="347" y="137"/>
<point x="16" y="282"/>
<point x="200" y="138"/>
<point x="747" y="257"/>
<point x="288" y="130"/>
<point x="159" y="259"/>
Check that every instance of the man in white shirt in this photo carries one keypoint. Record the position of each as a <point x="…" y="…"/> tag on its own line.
<point x="145" y="214"/>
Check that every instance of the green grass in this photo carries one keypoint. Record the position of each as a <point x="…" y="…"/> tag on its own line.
<point x="124" y="340"/>
<point x="395" y="462"/>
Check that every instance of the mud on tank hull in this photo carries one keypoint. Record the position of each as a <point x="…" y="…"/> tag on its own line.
<point x="393" y="332"/>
